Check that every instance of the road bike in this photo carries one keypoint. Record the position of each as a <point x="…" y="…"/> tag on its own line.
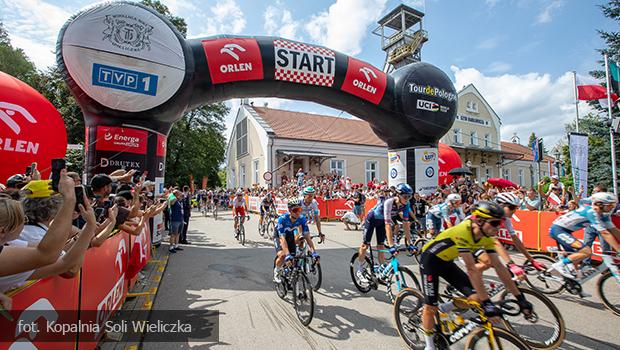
<point x="451" y="328"/>
<point x="294" y="278"/>
<point x="268" y="226"/>
<point x="312" y="267"/>
<point x="214" y="210"/>
<point x="240" y="233"/>
<point x="550" y="281"/>
<point x="391" y="274"/>
<point x="418" y="240"/>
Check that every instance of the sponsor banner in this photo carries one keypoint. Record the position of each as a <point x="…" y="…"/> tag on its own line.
<point x="303" y="63"/>
<point x="36" y="306"/>
<point x="426" y="170"/>
<point x="398" y="167"/>
<point x="108" y="161"/>
<point x="253" y="204"/>
<point x="161" y="145"/>
<point x="115" y="139"/>
<point x="233" y="59"/>
<point x="578" y="147"/>
<point x="119" y="82"/>
<point x="140" y="252"/>
<point x="126" y="30"/>
<point x="364" y="81"/>
<point x="158" y="220"/>
<point x="336" y="208"/>
<point x="31" y="129"/>
<point x="431" y="106"/>
<point x="432" y="91"/>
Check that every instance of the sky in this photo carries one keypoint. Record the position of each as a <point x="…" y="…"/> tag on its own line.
<point x="520" y="54"/>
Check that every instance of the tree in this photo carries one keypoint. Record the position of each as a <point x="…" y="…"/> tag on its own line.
<point x="13" y="60"/>
<point x="196" y="146"/>
<point x="178" y="22"/>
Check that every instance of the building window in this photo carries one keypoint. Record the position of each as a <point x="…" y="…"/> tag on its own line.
<point x="233" y="178"/>
<point x="487" y="140"/>
<point x="337" y="166"/>
<point x="457" y="136"/>
<point x="242" y="176"/>
<point x="472" y="107"/>
<point x="488" y="173"/>
<point x="242" y="137"/>
<point x="256" y="177"/>
<point x="473" y="138"/>
<point x="372" y="170"/>
<point x="521" y="177"/>
<point x="507" y="174"/>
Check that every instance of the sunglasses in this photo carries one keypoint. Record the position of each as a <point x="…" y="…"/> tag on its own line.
<point x="512" y="207"/>
<point x="406" y="196"/>
<point x="494" y="223"/>
<point x="295" y="210"/>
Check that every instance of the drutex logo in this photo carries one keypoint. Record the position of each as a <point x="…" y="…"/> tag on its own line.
<point x="364" y="81"/>
<point x="233" y="59"/>
<point x="127" y="33"/>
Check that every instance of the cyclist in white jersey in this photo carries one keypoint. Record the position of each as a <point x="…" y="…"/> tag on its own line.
<point x="239" y="207"/>
<point x="598" y="216"/>
<point x="310" y="208"/>
<point x="440" y="214"/>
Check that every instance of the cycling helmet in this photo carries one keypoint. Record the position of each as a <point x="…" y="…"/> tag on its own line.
<point x="269" y="195"/>
<point x="453" y="197"/>
<point x="508" y="198"/>
<point x="487" y="210"/>
<point x="239" y="192"/>
<point x="604" y="197"/>
<point x="308" y="190"/>
<point x="16" y="181"/>
<point x="403" y="188"/>
<point x="294" y="202"/>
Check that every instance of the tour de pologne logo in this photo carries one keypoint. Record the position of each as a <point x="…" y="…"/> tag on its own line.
<point x="127" y="33"/>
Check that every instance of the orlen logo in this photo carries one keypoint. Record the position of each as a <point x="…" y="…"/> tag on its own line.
<point x="233" y="59"/>
<point x="428" y="105"/>
<point x="364" y="81"/>
<point x="7" y="112"/>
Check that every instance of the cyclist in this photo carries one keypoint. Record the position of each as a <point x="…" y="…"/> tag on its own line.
<point x="240" y="207"/>
<point x="440" y="215"/>
<point x="597" y="215"/>
<point x="287" y="236"/>
<point x="310" y="209"/>
<point x="381" y="218"/>
<point x="510" y="203"/>
<point x="266" y="205"/>
<point x="462" y="240"/>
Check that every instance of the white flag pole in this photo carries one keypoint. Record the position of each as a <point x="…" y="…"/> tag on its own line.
<point x="611" y="131"/>
<point x="576" y="102"/>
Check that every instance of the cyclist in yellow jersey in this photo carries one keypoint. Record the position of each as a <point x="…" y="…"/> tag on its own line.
<point x="462" y="240"/>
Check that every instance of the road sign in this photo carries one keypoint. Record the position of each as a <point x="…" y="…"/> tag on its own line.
<point x="267" y="176"/>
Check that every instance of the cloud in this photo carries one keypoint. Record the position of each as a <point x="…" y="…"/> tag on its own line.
<point x="526" y="103"/>
<point x="548" y="11"/>
<point x="345" y="24"/>
<point x="225" y="17"/>
<point x="489" y="43"/>
<point x="491" y="3"/>
<point x="180" y="6"/>
<point x="498" y="67"/>
<point x="33" y="26"/>
<point x="279" y="22"/>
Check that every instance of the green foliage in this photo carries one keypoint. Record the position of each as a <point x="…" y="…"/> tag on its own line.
<point x="75" y="161"/>
<point x="13" y="60"/>
<point x="178" y="22"/>
<point x="196" y="146"/>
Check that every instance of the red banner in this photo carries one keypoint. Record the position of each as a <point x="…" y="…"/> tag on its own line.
<point x="364" y="81"/>
<point x="115" y="139"/>
<point x="140" y="252"/>
<point x="233" y="59"/>
<point x="161" y="146"/>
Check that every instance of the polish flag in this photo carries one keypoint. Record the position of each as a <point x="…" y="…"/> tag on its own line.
<point x="589" y="89"/>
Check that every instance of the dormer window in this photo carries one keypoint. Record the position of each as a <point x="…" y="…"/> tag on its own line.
<point x="472" y="107"/>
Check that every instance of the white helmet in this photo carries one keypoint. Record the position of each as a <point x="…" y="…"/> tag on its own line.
<point x="453" y="197"/>
<point x="603" y="197"/>
<point x="239" y="192"/>
<point x="508" y="198"/>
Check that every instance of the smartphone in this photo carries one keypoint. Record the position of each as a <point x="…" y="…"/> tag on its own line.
<point x="28" y="171"/>
<point x="136" y="177"/>
<point x="99" y="213"/>
<point x="79" y="197"/>
<point x="57" y="165"/>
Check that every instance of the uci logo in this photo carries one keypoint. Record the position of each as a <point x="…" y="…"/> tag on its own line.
<point x="428" y="105"/>
<point x="430" y="171"/>
<point x="393" y="173"/>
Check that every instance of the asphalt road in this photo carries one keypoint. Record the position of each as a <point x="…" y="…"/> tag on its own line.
<point x="217" y="273"/>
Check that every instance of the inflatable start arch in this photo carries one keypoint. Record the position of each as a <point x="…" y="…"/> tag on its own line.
<point x="134" y="75"/>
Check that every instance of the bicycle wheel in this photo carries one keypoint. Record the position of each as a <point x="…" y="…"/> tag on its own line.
<point x="408" y="317"/>
<point x="280" y="287"/>
<point x="302" y="299"/>
<point x="314" y="273"/>
<point x="549" y="281"/>
<point x="545" y="329"/>
<point x="407" y="280"/>
<point x="609" y="291"/>
<point x="366" y="269"/>
<point x="271" y="226"/>
<point x="502" y="339"/>
<point x="215" y="212"/>
<point x="242" y="234"/>
<point x="419" y="244"/>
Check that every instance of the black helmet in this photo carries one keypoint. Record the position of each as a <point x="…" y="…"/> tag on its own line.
<point x="487" y="210"/>
<point x="16" y="181"/>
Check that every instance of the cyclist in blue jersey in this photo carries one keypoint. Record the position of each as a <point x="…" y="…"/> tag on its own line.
<point x="380" y="219"/>
<point x="440" y="214"/>
<point x="596" y="216"/>
<point x="291" y="230"/>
